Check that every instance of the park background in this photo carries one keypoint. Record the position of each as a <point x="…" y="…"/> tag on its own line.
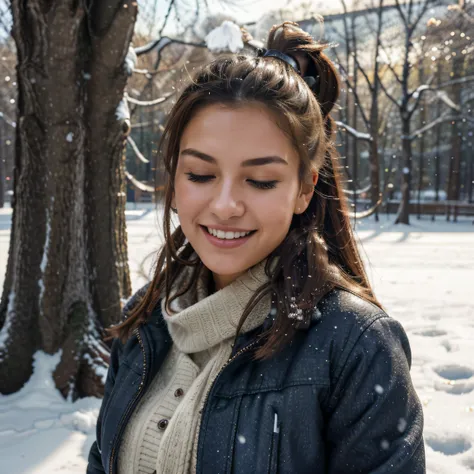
<point x="85" y="88"/>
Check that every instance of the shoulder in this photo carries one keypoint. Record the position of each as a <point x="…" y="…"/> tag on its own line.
<point x="120" y="347"/>
<point x="351" y="326"/>
<point x="351" y="314"/>
<point x="134" y="300"/>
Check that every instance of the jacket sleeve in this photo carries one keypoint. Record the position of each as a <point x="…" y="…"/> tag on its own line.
<point x="94" y="461"/>
<point x="375" y="419"/>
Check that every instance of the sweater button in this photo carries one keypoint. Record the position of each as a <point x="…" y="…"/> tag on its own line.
<point x="162" y="424"/>
<point x="179" y="392"/>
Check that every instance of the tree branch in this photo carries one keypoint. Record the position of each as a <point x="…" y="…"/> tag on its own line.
<point x="138" y="184"/>
<point x="388" y="93"/>
<point x="443" y="118"/>
<point x="148" y="103"/>
<point x="356" y="96"/>
<point x="136" y="150"/>
<point x="359" y="135"/>
<point x="161" y="43"/>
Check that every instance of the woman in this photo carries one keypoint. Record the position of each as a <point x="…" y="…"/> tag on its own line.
<point x="259" y="346"/>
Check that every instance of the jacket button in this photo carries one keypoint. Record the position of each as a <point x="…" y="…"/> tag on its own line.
<point x="179" y="392"/>
<point x="162" y="424"/>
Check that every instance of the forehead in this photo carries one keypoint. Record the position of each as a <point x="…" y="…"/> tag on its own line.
<point x="246" y="131"/>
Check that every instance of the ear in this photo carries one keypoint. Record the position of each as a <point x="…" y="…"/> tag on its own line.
<point x="306" y="194"/>
<point x="173" y="202"/>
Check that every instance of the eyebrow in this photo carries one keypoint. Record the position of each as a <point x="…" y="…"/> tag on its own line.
<point x="263" y="160"/>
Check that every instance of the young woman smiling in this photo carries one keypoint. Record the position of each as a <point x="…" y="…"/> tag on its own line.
<point x="259" y="346"/>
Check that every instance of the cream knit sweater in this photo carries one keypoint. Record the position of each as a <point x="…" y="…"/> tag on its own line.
<point x="162" y="433"/>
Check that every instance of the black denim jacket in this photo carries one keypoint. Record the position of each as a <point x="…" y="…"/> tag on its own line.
<point x="338" y="399"/>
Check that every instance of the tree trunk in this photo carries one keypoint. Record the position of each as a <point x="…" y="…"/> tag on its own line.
<point x="374" y="159"/>
<point x="437" y="161"/>
<point x="421" y="144"/>
<point x="456" y="139"/>
<point x="403" y="214"/>
<point x="3" y="158"/>
<point x="67" y="265"/>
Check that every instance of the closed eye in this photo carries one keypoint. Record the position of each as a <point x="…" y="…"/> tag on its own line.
<point x="199" y="178"/>
<point x="204" y="178"/>
<point x="263" y="184"/>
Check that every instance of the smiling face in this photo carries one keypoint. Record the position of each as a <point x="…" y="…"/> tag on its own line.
<point x="237" y="172"/>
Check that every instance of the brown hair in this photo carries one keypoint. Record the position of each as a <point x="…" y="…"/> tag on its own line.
<point x="319" y="252"/>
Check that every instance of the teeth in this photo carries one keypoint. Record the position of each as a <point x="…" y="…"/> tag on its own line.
<point x="220" y="234"/>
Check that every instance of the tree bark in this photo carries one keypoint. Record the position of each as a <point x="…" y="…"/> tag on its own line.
<point x="67" y="265"/>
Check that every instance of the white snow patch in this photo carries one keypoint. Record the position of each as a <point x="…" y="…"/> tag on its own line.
<point x="98" y="369"/>
<point x="40" y="432"/>
<point x="70" y="137"/>
<point x="44" y="260"/>
<point x="226" y="37"/>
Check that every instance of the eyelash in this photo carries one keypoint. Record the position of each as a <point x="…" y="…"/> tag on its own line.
<point x="199" y="178"/>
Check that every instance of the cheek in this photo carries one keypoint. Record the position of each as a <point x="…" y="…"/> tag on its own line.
<point x="276" y="210"/>
<point x="188" y="196"/>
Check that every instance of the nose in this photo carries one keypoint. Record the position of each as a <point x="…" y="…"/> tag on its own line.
<point x="226" y="202"/>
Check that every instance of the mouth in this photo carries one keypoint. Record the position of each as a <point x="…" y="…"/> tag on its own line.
<point x="226" y="240"/>
<point x="221" y="235"/>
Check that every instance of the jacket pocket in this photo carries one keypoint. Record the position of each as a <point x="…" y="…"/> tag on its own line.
<point x="274" y="446"/>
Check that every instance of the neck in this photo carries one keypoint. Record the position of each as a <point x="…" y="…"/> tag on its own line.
<point x="221" y="281"/>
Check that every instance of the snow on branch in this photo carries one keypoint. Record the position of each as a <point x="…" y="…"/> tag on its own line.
<point x="226" y="37"/>
<point x="443" y="118"/>
<point x="136" y="150"/>
<point x="441" y="95"/>
<point x="122" y="112"/>
<point x="138" y="184"/>
<point x="130" y="60"/>
<point x="148" y="103"/>
<point x="352" y="131"/>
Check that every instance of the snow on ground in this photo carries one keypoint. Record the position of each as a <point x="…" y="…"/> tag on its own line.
<point x="424" y="276"/>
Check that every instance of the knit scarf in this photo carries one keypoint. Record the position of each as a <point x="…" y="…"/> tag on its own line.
<point x="208" y="324"/>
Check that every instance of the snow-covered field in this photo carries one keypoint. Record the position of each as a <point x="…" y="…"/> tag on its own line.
<point x="423" y="274"/>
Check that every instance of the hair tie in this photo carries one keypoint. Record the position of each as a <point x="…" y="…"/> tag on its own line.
<point x="284" y="57"/>
<point x="313" y="82"/>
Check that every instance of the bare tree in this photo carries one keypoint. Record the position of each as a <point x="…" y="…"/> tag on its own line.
<point x="369" y="113"/>
<point x="411" y="13"/>
<point x="68" y="264"/>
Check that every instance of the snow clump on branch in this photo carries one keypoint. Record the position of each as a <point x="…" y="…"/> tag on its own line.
<point x="227" y="37"/>
<point x="130" y="60"/>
